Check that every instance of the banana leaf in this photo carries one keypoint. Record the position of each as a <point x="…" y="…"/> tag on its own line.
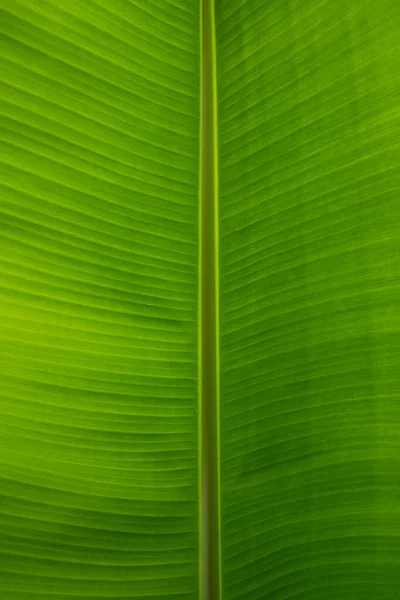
<point x="199" y="290"/>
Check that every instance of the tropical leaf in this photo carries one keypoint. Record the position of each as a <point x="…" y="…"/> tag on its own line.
<point x="183" y="291"/>
<point x="99" y="210"/>
<point x="309" y="281"/>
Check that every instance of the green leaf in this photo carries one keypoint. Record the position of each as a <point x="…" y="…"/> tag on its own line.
<point x="309" y="286"/>
<point x="99" y="299"/>
<point x="198" y="299"/>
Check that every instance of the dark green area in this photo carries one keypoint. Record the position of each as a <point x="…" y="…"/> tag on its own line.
<point x="309" y="131"/>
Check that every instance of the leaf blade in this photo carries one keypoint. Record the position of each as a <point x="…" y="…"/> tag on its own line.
<point x="308" y="181"/>
<point x="99" y="452"/>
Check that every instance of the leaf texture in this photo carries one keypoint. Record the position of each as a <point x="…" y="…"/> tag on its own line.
<point x="99" y="299"/>
<point x="309" y="131"/>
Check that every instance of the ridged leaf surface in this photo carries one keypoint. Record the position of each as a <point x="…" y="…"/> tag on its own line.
<point x="98" y="299"/>
<point x="309" y="131"/>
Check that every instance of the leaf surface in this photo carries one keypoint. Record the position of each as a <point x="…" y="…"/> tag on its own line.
<point x="309" y="274"/>
<point x="99" y="299"/>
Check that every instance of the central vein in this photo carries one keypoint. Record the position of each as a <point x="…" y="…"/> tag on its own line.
<point x="211" y="558"/>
